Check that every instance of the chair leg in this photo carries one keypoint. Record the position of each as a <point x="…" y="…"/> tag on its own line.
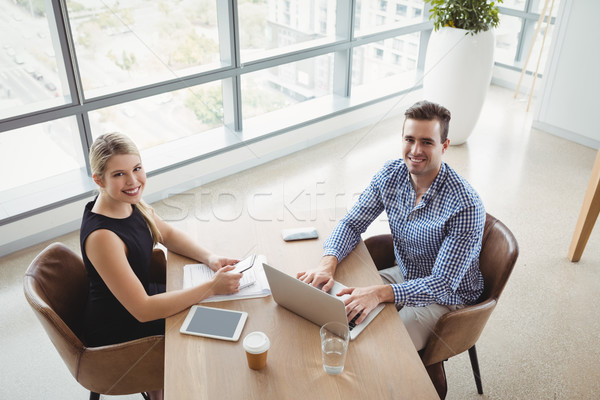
<point x="438" y="377"/>
<point x="475" y="366"/>
<point x="94" y="396"/>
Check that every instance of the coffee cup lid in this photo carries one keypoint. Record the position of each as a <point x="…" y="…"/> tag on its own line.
<point x="256" y="342"/>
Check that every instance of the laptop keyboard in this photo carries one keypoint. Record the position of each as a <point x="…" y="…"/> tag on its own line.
<point x="352" y="322"/>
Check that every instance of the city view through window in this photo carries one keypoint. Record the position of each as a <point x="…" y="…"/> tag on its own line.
<point x="164" y="71"/>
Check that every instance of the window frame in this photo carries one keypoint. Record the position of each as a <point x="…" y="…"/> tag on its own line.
<point x="234" y="134"/>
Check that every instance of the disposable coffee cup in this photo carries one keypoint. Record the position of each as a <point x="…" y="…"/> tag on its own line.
<point x="256" y="345"/>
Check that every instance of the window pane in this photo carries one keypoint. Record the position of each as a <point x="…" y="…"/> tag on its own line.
<point x="285" y="85"/>
<point x="268" y="26"/>
<point x="537" y="6"/>
<point x="537" y="43"/>
<point x="514" y="4"/>
<point x="392" y="59"/>
<point x="507" y="39"/>
<point x="378" y="15"/>
<point x="30" y="79"/>
<point x="120" y="45"/>
<point x="163" y="118"/>
<point x="46" y="150"/>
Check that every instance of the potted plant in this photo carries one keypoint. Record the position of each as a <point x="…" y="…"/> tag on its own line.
<point x="472" y="15"/>
<point x="459" y="60"/>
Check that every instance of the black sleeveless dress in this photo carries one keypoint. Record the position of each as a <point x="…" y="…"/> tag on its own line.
<point x="106" y="321"/>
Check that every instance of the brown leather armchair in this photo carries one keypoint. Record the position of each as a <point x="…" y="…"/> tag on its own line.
<point x="56" y="287"/>
<point x="458" y="331"/>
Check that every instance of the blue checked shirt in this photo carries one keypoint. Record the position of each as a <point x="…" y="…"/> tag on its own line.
<point x="436" y="242"/>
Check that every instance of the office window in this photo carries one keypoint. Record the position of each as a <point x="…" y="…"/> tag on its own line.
<point x="507" y="39"/>
<point x="155" y="120"/>
<point x="398" y="44"/>
<point x="52" y="148"/>
<point x="515" y="38"/>
<point x="40" y="164"/>
<point x="121" y="45"/>
<point x="529" y="32"/>
<point x="536" y="6"/>
<point x="286" y="85"/>
<point x="32" y="76"/>
<point x="531" y="6"/>
<point x="401" y="10"/>
<point x="516" y="4"/>
<point x="168" y="74"/>
<point x="358" y="14"/>
<point x="369" y="18"/>
<point x="378" y="72"/>
<point x="267" y="29"/>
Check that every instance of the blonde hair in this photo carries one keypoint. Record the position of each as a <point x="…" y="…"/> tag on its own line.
<point x="108" y="145"/>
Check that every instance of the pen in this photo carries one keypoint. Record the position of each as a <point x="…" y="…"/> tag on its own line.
<point x="244" y="286"/>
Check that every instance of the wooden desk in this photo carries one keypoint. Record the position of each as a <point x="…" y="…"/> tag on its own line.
<point x="381" y="363"/>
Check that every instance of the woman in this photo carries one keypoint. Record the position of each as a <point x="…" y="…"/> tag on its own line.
<point x="118" y="233"/>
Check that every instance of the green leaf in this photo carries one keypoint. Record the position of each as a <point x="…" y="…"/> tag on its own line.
<point x="472" y="15"/>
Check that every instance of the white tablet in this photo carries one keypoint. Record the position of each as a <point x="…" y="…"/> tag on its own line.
<point x="216" y="323"/>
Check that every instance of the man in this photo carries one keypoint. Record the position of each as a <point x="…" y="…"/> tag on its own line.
<point x="436" y="219"/>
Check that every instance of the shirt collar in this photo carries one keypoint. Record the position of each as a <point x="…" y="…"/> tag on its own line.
<point x="435" y="185"/>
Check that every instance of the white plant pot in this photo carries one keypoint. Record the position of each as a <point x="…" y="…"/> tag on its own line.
<point x="458" y="71"/>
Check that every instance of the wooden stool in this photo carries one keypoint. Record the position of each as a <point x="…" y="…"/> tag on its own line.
<point x="588" y="214"/>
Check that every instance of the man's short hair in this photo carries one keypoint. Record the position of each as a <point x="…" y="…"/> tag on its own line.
<point x="428" y="111"/>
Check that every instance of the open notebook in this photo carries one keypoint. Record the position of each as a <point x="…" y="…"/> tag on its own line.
<point x="253" y="283"/>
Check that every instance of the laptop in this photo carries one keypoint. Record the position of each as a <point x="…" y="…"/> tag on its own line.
<point x="312" y="303"/>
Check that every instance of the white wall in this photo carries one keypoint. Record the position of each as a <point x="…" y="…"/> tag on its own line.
<point x="568" y="106"/>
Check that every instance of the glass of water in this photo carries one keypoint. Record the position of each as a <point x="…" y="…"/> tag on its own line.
<point x="334" y="345"/>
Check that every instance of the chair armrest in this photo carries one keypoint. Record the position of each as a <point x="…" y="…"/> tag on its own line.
<point x="381" y="249"/>
<point x="158" y="267"/>
<point x="124" y="368"/>
<point x="457" y="331"/>
<point x="68" y="345"/>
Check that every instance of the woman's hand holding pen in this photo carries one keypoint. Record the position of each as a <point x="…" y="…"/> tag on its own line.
<point x="225" y="281"/>
<point x="216" y="262"/>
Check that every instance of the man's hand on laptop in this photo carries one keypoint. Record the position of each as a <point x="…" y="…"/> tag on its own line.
<point x="322" y="276"/>
<point x="363" y="300"/>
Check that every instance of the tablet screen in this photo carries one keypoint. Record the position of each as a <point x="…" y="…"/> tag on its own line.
<point x="214" y="322"/>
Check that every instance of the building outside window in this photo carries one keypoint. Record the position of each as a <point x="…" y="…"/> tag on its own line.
<point x="177" y="75"/>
